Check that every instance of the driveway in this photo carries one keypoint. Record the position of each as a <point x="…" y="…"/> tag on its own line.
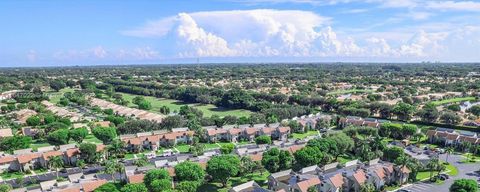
<point x="465" y="171"/>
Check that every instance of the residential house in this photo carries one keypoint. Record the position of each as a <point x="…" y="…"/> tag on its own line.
<point x="448" y="137"/>
<point x="250" y="186"/>
<point x="280" y="180"/>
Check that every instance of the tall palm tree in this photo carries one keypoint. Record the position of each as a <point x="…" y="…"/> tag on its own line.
<point x="112" y="167"/>
<point x="448" y="150"/>
<point x="56" y="163"/>
<point x="401" y="162"/>
<point x="433" y="165"/>
<point x="116" y="148"/>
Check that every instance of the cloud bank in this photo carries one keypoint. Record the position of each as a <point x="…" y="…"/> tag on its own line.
<point x="293" y="33"/>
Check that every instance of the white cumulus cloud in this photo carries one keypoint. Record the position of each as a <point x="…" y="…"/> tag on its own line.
<point x="293" y="33"/>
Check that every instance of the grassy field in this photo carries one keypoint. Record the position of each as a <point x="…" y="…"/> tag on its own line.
<point x="450" y="169"/>
<point x="303" y="135"/>
<point x="174" y="105"/>
<point x="91" y="139"/>
<point x="55" y="98"/>
<point x="339" y="92"/>
<point x="452" y="100"/>
<point x="183" y="148"/>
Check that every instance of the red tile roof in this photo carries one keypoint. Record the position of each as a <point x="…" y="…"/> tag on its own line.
<point x="250" y="131"/>
<point x="211" y="132"/>
<point x="380" y="173"/>
<point x="138" y="178"/>
<point x="25" y="158"/>
<point x="72" y="189"/>
<point x="49" y="154"/>
<point x="268" y="130"/>
<point x="6" y="159"/>
<point x="73" y="151"/>
<point x="91" y="186"/>
<point x="337" y="180"/>
<point x="256" y="157"/>
<point x="360" y="176"/>
<point x="234" y="131"/>
<point x="304" y="185"/>
<point x="283" y="129"/>
<point x="294" y="148"/>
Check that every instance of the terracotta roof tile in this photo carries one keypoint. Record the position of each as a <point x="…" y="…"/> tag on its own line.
<point x="71" y="152"/>
<point x="268" y="130"/>
<point x="251" y="131"/>
<point x="138" y="178"/>
<point x="211" y="132"/>
<point x="72" y="189"/>
<point x="90" y="186"/>
<point x="283" y="129"/>
<point x="7" y="159"/>
<point x="256" y="157"/>
<point x="304" y="185"/>
<point x="49" y="154"/>
<point x="234" y="131"/>
<point x="380" y="173"/>
<point x="294" y="148"/>
<point x="360" y="176"/>
<point x="337" y="180"/>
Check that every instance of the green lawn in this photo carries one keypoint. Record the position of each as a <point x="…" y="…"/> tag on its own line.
<point x="452" y="100"/>
<point x="174" y="105"/>
<point x="10" y="175"/>
<point x="92" y="139"/>
<point x="183" y="148"/>
<point x="450" y="169"/>
<point x="342" y="159"/>
<point x="303" y="135"/>
<point x="211" y="146"/>
<point x="37" y="144"/>
<point x="55" y="97"/>
<point x="339" y="92"/>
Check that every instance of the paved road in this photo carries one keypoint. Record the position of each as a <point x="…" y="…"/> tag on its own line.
<point x="465" y="170"/>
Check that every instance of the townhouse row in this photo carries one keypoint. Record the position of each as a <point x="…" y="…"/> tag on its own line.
<point x="126" y="111"/>
<point x="350" y="177"/>
<point x="449" y="137"/>
<point x="153" y="140"/>
<point x="358" y="121"/>
<point x="26" y="159"/>
<point x="246" y="134"/>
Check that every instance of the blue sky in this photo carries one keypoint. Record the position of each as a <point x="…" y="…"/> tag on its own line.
<point x="59" y="33"/>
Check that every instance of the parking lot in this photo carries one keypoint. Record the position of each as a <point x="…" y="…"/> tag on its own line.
<point x="465" y="171"/>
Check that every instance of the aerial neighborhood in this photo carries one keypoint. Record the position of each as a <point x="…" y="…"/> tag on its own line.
<point x="136" y="130"/>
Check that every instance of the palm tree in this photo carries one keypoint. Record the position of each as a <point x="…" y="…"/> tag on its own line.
<point x="433" y="165"/>
<point x="402" y="162"/>
<point x="112" y="167"/>
<point x="56" y="163"/>
<point x="116" y="148"/>
<point x="448" y="150"/>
